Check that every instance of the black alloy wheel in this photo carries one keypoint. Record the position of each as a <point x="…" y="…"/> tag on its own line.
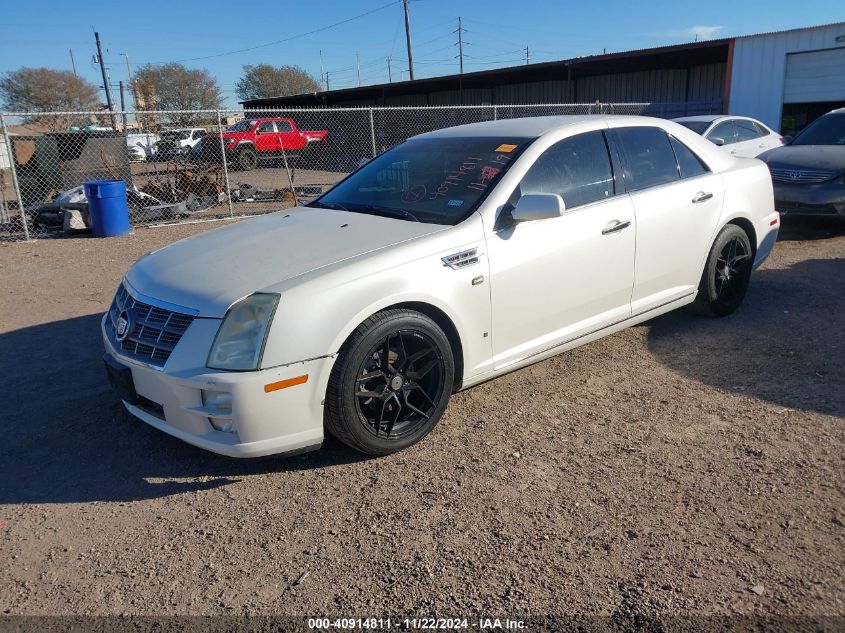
<point x="727" y="273"/>
<point x="399" y="384"/>
<point x="391" y="382"/>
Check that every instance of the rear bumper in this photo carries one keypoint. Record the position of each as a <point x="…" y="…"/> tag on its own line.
<point x="262" y="423"/>
<point x="809" y="199"/>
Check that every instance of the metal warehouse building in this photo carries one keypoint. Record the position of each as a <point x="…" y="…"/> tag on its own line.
<point x="785" y="79"/>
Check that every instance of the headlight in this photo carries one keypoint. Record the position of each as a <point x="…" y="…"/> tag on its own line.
<point x="239" y="343"/>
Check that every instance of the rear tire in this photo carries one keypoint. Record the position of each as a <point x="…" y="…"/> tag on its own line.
<point x="726" y="275"/>
<point x="247" y="159"/>
<point x="390" y="384"/>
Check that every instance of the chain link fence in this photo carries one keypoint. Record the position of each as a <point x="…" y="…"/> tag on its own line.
<point x="201" y="165"/>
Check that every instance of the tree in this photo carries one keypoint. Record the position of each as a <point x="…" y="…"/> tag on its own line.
<point x="175" y="87"/>
<point x="46" y="90"/>
<point x="265" y="80"/>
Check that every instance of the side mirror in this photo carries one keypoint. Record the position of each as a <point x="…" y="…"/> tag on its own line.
<point x="717" y="140"/>
<point x="258" y="131"/>
<point x="538" y="206"/>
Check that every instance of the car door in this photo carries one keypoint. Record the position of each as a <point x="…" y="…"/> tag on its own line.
<point x="556" y="279"/>
<point x="677" y="202"/>
<point x="291" y="139"/>
<point x="266" y="138"/>
<point x="749" y="139"/>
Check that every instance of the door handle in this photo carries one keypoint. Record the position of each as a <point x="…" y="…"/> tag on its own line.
<point x="701" y="197"/>
<point x="614" y="226"/>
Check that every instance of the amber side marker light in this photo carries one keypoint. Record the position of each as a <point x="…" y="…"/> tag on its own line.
<point x="284" y="384"/>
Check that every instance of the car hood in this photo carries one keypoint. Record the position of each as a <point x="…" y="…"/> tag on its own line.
<point x="209" y="272"/>
<point x="829" y="157"/>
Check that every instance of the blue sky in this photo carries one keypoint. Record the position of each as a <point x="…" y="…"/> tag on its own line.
<point x="205" y="33"/>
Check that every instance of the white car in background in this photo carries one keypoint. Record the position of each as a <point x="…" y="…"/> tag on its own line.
<point x="739" y="135"/>
<point x="179" y="141"/>
<point x="455" y="257"/>
<point x="141" y="145"/>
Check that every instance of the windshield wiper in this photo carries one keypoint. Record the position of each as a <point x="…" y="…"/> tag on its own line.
<point x="387" y="212"/>
<point x="328" y="205"/>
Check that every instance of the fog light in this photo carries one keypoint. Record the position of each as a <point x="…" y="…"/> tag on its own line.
<point x="222" y="425"/>
<point x="220" y="400"/>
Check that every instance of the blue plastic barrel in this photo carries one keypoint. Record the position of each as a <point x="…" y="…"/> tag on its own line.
<point x="107" y="206"/>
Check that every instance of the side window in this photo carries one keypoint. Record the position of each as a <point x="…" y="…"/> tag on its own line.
<point x="724" y="131"/>
<point x="283" y="126"/>
<point x="649" y="159"/>
<point x="745" y="130"/>
<point x="578" y="168"/>
<point x="198" y="134"/>
<point x="266" y="127"/>
<point x="761" y="131"/>
<point x="689" y="164"/>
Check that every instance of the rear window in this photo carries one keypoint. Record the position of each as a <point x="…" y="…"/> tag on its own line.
<point x="696" y="126"/>
<point x="689" y="164"/>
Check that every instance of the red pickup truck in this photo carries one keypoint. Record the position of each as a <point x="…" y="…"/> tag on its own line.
<point x="253" y="138"/>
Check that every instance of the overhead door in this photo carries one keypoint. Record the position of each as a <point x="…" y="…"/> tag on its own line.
<point x="815" y="76"/>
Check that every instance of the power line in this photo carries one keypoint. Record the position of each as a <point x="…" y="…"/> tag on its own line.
<point x="291" y="38"/>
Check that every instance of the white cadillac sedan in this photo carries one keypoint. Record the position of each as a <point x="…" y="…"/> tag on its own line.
<point x="455" y="257"/>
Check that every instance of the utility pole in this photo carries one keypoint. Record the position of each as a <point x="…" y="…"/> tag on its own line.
<point x="323" y="76"/>
<point x="123" y="106"/>
<point x="72" y="63"/>
<point x="358" y="66"/>
<point x="389" y="74"/>
<point x="328" y="87"/>
<point x="527" y="56"/>
<point x="132" y="89"/>
<point x="460" y="44"/>
<point x="105" y="78"/>
<point x="408" y="40"/>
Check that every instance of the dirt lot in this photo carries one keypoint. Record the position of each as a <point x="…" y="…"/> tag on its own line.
<point x="686" y="466"/>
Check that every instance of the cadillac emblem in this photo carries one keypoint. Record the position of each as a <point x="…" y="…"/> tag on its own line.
<point x="122" y="327"/>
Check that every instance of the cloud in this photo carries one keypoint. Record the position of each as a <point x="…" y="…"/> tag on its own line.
<point x="699" y="32"/>
<point x="704" y="32"/>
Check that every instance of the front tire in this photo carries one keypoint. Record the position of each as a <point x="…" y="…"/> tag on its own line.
<point x="726" y="275"/>
<point x="247" y="159"/>
<point x="391" y="383"/>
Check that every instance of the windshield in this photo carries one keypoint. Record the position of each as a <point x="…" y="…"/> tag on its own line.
<point x="241" y="126"/>
<point x="435" y="180"/>
<point x="696" y="126"/>
<point x="175" y="135"/>
<point x="826" y="130"/>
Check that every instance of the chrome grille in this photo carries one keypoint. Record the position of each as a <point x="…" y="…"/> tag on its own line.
<point x="154" y="332"/>
<point x="802" y="175"/>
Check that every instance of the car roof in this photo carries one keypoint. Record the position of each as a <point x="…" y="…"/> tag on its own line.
<point x="704" y="118"/>
<point x="531" y="126"/>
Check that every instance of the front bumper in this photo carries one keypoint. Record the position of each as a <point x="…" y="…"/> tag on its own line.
<point x="263" y="423"/>
<point x="809" y="199"/>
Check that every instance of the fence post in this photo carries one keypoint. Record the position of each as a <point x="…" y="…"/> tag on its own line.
<point x="372" y="133"/>
<point x="14" y="176"/>
<point x="495" y="113"/>
<point x="225" y="165"/>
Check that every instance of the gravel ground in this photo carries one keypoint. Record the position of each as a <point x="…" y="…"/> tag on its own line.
<point x="683" y="467"/>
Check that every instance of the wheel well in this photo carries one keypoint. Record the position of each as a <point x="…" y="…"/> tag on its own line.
<point x="746" y="225"/>
<point x="449" y="329"/>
